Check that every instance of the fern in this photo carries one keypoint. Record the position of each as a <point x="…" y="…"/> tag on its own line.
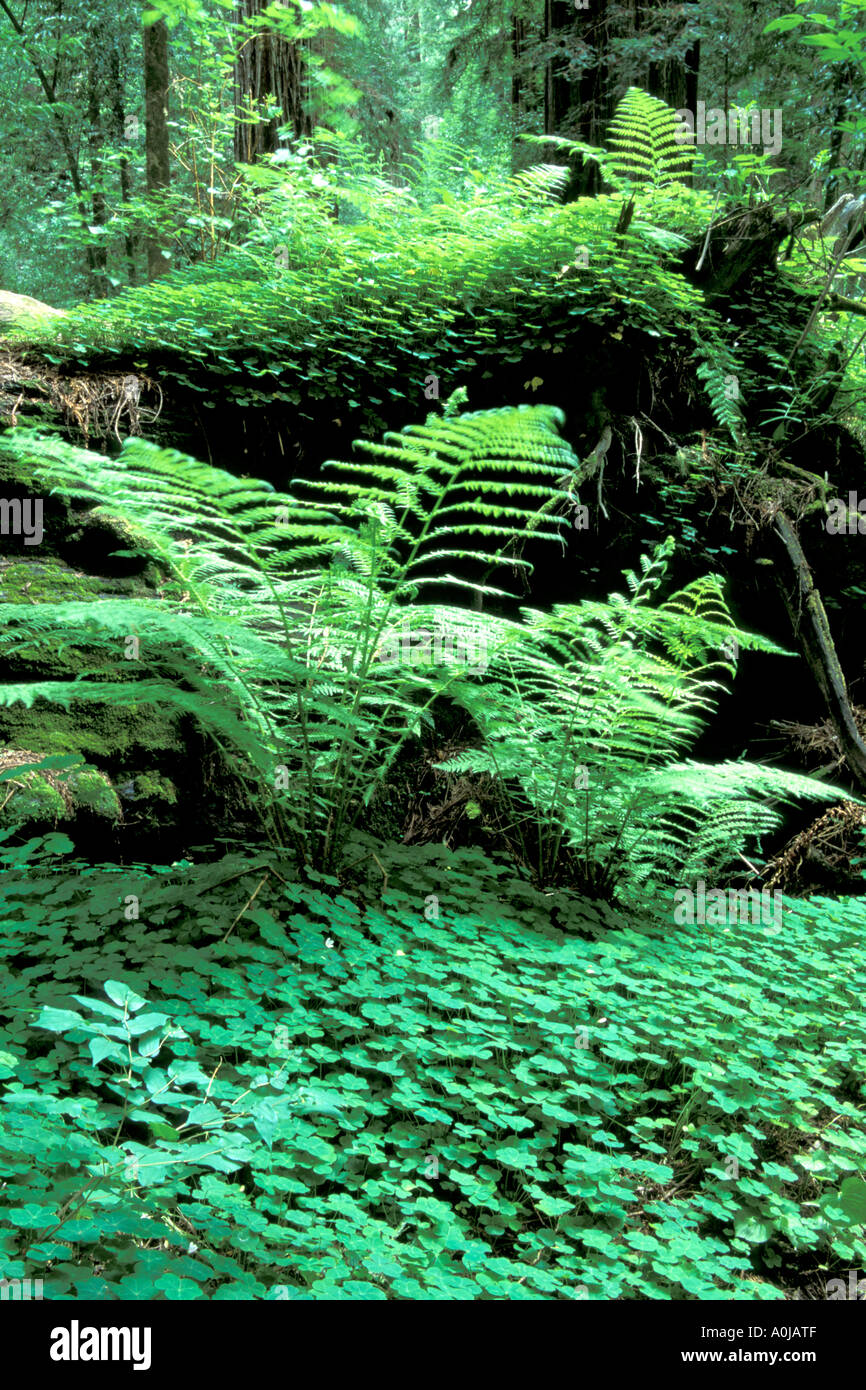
<point x="489" y="477"/>
<point x="290" y="627"/>
<point x="284" y="620"/>
<point x="718" y="371"/>
<point x="642" y="135"/>
<point x="585" y="717"/>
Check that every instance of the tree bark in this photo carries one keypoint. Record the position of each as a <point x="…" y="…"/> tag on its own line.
<point x="844" y="81"/>
<point x="267" y="68"/>
<point x="99" y="281"/>
<point x="156" y="152"/>
<point x="119" y="132"/>
<point x="578" y="105"/>
<point x="673" y="79"/>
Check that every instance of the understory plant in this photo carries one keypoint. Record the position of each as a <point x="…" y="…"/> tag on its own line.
<point x="434" y="1093"/>
<point x="362" y="306"/>
<point x="585" y="718"/>
<point x="287" y="624"/>
<point x="293" y="627"/>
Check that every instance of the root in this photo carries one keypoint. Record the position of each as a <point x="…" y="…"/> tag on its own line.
<point x="96" y="404"/>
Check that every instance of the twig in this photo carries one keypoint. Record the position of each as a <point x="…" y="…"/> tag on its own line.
<point x="706" y="245"/>
<point x="246" y="905"/>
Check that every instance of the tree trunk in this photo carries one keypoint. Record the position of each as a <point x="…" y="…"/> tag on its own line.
<point x="673" y="79"/>
<point x="809" y="621"/>
<point x="518" y="34"/>
<point x="268" y="71"/>
<point x="120" y="133"/>
<point x="156" y="150"/>
<point x="99" y="279"/>
<point x="578" y="105"/>
<point x="844" y="81"/>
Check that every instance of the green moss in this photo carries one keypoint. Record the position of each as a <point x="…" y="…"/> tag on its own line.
<point x="22" y="312"/>
<point x="47" y="796"/>
<point x="129" y="535"/>
<point x="150" y="786"/>
<point x="31" y="797"/>
<point x="139" y="737"/>
<point x="46" y="580"/>
<point x="49" y="579"/>
<point x="92" y="791"/>
<point x="99" y="732"/>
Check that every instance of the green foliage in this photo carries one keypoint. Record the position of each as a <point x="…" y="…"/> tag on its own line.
<point x="441" y="1095"/>
<point x="309" y="679"/>
<point x="438" y="1075"/>
<point x="642" y="135"/>
<point x="416" y="283"/>
<point x="363" y="309"/>
<point x="718" y="371"/>
<point x="312" y="680"/>
<point x="587" y="714"/>
<point x="840" y="41"/>
<point x="54" y="788"/>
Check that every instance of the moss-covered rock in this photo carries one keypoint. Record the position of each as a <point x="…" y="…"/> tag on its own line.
<point x="49" y="579"/>
<point x="149" y="787"/>
<point x="33" y="799"/>
<point x="92" y="791"/>
<point x="151" y="752"/>
<point x="40" y="795"/>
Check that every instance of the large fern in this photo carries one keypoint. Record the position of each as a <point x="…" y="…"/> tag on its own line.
<point x="283" y="619"/>
<point x="290" y="626"/>
<point x="586" y="715"/>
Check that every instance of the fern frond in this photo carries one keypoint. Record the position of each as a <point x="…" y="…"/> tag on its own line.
<point x="617" y="692"/>
<point x="277" y="609"/>
<point x="642" y="135"/>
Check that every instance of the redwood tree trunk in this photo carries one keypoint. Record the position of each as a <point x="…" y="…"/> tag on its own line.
<point x="99" y="280"/>
<point x="578" y="99"/>
<point x="120" y="133"/>
<point x="157" y="162"/>
<point x="518" y="36"/>
<point x="268" y="70"/>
